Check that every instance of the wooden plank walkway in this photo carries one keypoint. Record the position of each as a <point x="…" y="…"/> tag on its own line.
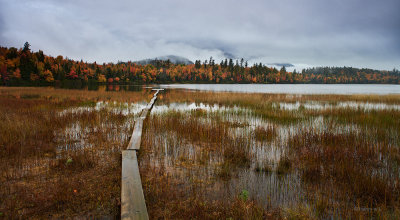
<point x="134" y="143"/>
<point x="133" y="205"/>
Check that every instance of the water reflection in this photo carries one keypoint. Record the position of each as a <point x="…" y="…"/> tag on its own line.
<point x="105" y="87"/>
<point x="105" y="122"/>
<point x="251" y="88"/>
<point x="182" y="107"/>
<point x="113" y="107"/>
<point x="292" y="88"/>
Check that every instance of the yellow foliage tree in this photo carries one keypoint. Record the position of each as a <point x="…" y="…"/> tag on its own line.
<point x="34" y="77"/>
<point x="102" y="78"/>
<point x="48" y="76"/>
<point x="17" y="74"/>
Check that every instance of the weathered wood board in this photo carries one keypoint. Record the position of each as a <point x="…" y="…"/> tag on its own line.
<point x="133" y="205"/>
<point x="134" y="143"/>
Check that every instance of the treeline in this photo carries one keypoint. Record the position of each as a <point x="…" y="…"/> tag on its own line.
<point x="25" y="67"/>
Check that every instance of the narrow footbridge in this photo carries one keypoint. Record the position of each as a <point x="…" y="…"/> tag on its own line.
<point x="133" y="205"/>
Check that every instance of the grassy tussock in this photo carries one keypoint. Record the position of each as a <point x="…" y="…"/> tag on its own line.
<point x="263" y="168"/>
<point x="284" y="166"/>
<point x="265" y="134"/>
<point x="234" y="150"/>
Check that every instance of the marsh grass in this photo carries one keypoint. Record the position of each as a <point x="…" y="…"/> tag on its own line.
<point x="253" y="100"/>
<point x="313" y="162"/>
<point x="265" y="134"/>
<point x="263" y="168"/>
<point x="349" y="166"/>
<point x="56" y="163"/>
<point x="184" y="156"/>
<point x="234" y="150"/>
<point x="167" y="198"/>
<point x="224" y="170"/>
<point x="73" y="94"/>
<point x="346" y="159"/>
<point x="284" y="166"/>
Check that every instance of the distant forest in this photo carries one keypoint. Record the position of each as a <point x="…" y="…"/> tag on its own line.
<point x="25" y="67"/>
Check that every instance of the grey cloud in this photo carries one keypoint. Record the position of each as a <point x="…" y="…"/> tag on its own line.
<point x="361" y="33"/>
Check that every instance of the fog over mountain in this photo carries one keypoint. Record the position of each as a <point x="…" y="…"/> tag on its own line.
<point x="174" y="59"/>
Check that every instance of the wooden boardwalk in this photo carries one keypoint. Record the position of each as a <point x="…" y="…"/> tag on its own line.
<point x="133" y="205"/>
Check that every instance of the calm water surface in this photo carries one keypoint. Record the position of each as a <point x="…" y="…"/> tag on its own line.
<point x="292" y="88"/>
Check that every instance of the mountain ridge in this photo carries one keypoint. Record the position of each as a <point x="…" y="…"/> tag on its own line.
<point x="173" y="58"/>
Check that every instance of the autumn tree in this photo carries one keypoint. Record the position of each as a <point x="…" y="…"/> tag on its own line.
<point x="27" y="64"/>
<point x="23" y="65"/>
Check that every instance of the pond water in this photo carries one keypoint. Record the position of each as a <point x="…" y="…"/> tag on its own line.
<point x="381" y="89"/>
<point x="292" y="88"/>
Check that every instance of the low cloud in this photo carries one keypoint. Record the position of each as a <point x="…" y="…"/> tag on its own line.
<point x="360" y="33"/>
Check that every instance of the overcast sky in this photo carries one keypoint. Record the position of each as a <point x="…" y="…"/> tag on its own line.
<point x="359" y="33"/>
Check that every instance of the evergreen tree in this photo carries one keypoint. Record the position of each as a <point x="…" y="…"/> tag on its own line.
<point x="26" y="47"/>
<point x="283" y="70"/>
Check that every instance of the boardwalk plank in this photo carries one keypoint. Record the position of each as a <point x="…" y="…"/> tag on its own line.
<point x="134" y="143"/>
<point x="133" y="205"/>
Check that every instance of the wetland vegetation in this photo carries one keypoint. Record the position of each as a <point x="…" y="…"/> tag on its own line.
<point x="295" y="156"/>
<point x="60" y="151"/>
<point x="204" y="155"/>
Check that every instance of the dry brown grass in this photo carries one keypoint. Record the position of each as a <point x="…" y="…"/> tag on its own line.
<point x="265" y="134"/>
<point x="73" y="94"/>
<point x="181" y="191"/>
<point x="46" y="173"/>
<point x="347" y="159"/>
<point x="348" y="163"/>
<point x="235" y="150"/>
<point x="349" y="166"/>
<point x="167" y="198"/>
<point x="254" y="99"/>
